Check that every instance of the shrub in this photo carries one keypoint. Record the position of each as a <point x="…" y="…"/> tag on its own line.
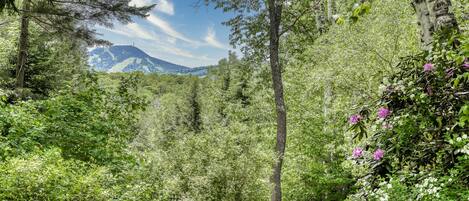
<point x="420" y="128"/>
<point x="47" y="176"/>
<point x="89" y="124"/>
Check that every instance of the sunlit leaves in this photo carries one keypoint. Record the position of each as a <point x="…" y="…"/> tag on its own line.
<point x="362" y="9"/>
<point x="464" y="115"/>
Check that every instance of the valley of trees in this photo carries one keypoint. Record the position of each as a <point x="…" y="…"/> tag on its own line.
<point x="331" y="100"/>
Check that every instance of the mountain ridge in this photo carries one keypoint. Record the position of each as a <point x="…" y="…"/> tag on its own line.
<point x="128" y="58"/>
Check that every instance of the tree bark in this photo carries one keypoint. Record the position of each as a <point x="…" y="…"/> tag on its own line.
<point x="327" y="101"/>
<point x="425" y="22"/>
<point x="444" y="19"/>
<point x="331" y="9"/>
<point x="319" y="15"/>
<point x="434" y="15"/>
<point x="23" y="45"/>
<point x="430" y="5"/>
<point x="275" y="15"/>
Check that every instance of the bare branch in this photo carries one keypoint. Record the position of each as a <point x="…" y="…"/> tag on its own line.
<point x="5" y="23"/>
<point x="294" y="22"/>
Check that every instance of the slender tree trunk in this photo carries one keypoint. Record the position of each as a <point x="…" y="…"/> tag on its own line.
<point x="275" y="15"/>
<point x="195" y="120"/>
<point x="320" y="15"/>
<point x="331" y="9"/>
<point x="328" y="98"/>
<point x="430" y="5"/>
<point x="23" y="45"/>
<point x="425" y="22"/>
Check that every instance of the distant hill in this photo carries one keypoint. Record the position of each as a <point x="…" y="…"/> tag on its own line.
<point x="126" y="58"/>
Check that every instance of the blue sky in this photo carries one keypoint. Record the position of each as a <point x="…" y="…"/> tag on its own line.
<point x="177" y="32"/>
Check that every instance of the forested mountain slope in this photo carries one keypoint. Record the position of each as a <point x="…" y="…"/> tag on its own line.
<point x="126" y="58"/>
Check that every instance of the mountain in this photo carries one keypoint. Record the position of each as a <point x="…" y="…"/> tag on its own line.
<point x="126" y="58"/>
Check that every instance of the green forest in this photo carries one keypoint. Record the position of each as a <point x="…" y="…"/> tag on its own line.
<point x="329" y="100"/>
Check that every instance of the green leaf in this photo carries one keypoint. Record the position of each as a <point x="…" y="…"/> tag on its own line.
<point x="340" y="21"/>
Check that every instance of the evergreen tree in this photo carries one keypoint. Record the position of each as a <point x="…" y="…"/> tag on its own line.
<point x="70" y="19"/>
<point x="195" y="122"/>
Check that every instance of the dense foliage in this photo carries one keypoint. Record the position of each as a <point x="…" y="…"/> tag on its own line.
<point x="420" y="127"/>
<point x="370" y="116"/>
<point x="52" y="61"/>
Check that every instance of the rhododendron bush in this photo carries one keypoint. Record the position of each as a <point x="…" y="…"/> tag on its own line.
<point x="412" y="143"/>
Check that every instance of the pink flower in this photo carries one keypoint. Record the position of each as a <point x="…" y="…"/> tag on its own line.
<point x="357" y="152"/>
<point x="428" y="67"/>
<point x="466" y="66"/>
<point x="354" y="119"/>
<point x="378" y="155"/>
<point x="383" y="113"/>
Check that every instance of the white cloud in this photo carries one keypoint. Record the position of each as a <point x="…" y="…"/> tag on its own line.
<point x="165" y="6"/>
<point x="167" y="29"/>
<point x="132" y="30"/>
<point x="117" y="31"/>
<point x="211" y="39"/>
<point x="178" y="56"/>
<point x="159" y="38"/>
<point x="171" y="39"/>
<point x="140" y="2"/>
<point x="166" y="45"/>
<point x="179" y="52"/>
<point x="138" y="31"/>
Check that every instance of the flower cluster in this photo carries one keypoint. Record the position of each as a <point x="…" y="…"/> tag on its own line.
<point x="378" y="154"/>
<point x="357" y="152"/>
<point x="428" y="67"/>
<point x="383" y="112"/>
<point x="428" y="188"/>
<point x="405" y="122"/>
<point x="354" y="119"/>
<point x="380" y="194"/>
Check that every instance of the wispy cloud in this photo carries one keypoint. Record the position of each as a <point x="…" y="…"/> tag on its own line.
<point x="140" y="32"/>
<point x="117" y="31"/>
<point x="132" y="30"/>
<point x="165" y="6"/>
<point x="179" y="52"/>
<point x="137" y="32"/>
<point x="161" y="38"/>
<point x="141" y="2"/>
<point x="211" y="39"/>
<point x="168" y="29"/>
